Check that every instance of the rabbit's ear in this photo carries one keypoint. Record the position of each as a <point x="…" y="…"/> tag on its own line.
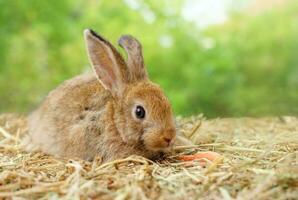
<point x="135" y="60"/>
<point x="107" y="62"/>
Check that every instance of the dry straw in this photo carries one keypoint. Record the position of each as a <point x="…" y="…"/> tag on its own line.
<point x="260" y="162"/>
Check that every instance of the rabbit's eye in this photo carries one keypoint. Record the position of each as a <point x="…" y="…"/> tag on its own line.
<point x="140" y="112"/>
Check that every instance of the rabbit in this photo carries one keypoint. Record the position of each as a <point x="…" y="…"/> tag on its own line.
<point x="113" y="113"/>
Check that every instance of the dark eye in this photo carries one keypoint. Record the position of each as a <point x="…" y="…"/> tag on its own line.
<point x="140" y="112"/>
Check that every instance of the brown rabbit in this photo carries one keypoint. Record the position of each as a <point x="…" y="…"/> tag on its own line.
<point x="117" y="113"/>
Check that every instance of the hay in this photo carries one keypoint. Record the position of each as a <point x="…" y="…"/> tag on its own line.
<point x="260" y="162"/>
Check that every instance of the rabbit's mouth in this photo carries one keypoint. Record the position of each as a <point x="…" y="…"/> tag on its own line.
<point x="157" y="140"/>
<point x="155" y="147"/>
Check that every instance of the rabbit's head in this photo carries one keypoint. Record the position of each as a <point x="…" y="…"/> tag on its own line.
<point x="142" y="113"/>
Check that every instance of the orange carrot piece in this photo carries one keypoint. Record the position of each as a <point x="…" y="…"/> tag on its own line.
<point x="209" y="155"/>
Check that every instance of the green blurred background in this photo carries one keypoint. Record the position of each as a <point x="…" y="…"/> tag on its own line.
<point x="219" y="57"/>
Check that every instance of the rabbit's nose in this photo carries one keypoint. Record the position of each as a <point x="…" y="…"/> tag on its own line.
<point x="168" y="136"/>
<point x="167" y="140"/>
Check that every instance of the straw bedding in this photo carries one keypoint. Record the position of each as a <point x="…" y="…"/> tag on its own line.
<point x="260" y="161"/>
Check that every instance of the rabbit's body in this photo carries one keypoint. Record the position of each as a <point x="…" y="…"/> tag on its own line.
<point x="88" y="115"/>
<point x="71" y="108"/>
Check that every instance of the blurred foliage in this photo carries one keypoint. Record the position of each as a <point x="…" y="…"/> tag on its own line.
<point x="246" y="66"/>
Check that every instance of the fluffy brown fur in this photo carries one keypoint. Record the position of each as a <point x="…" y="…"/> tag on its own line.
<point x="95" y="115"/>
